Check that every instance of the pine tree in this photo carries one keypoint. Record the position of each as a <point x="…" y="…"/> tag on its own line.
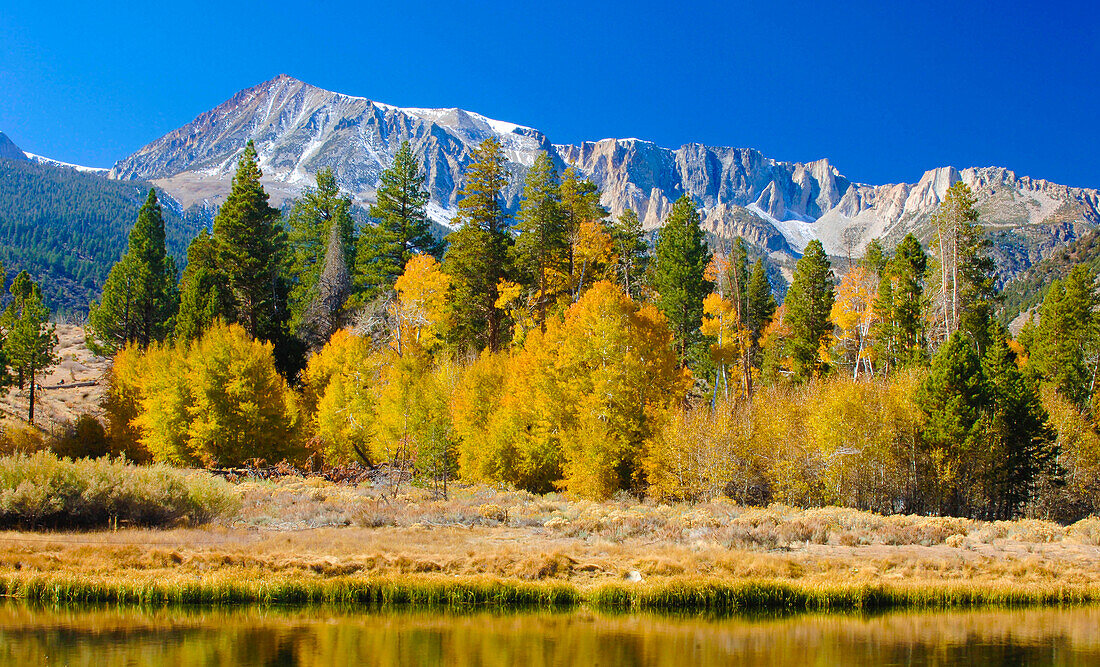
<point x="899" y="329"/>
<point x="761" y="309"/>
<point x="632" y="252"/>
<point x="541" y="245"/>
<point x="29" y="339"/>
<point x="1068" y="334"/>
<point x="908" y="268"/>
<point x="967" y="289"/>
<point x="1021" y="439"/>
<point x="140" y="297"/>
<point x="761" y="301"/>
<point x="809" y="302"/>
<point x="315" y="218"/>
<point x="402" y="226"/>
<point x="875" y="258"/>
<point x="251" y="246"/>
<point x="953" y="398"/>
<point x="477" y="256"/>
<point x="681" y="260"/>
<point x="204" y="292"/>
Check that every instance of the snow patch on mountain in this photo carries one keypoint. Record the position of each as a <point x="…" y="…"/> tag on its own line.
<point x="58" y="163"/>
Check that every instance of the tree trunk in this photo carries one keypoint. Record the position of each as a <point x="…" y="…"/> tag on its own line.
<point x="30" y="411"/>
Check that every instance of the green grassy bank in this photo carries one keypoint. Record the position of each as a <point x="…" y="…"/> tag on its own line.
<point x="459" y="592"/>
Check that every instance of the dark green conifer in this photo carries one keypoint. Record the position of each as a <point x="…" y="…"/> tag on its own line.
<point x="140" y="297"/>
<point x="541" y="246"/>
<point x="314" y="219"/>
<point x="29" y="338"/>
<point x="477" y="256"/>
<point x="809" y="302"/>
<point x="679" y="275"/>
<point x="402" y="228"/>
<point x="204" y="292"/>
<point x="251" y="246"/>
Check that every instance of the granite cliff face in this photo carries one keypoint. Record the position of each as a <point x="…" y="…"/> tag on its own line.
<point x="778" y="206"/>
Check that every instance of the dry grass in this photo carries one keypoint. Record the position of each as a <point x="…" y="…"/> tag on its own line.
<point x="298" y="532"/>
<point x="59" y="406"/>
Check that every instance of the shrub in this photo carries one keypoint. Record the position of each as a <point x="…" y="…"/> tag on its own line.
<point x="21" y="440"/>
<point x="42" y="491"/>
<point x="85" y="438"/>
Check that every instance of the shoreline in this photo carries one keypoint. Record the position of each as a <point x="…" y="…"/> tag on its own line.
<point x="477" y="592"/>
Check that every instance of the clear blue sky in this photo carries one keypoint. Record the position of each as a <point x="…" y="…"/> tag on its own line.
<point x="883" y="89"/>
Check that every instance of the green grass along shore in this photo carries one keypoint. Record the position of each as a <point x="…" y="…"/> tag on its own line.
<point x="459" y="592"/>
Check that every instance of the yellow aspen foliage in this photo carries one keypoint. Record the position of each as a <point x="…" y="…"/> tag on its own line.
<point x="773" y="344"/>
<point x="412" y="428"/>
<point x="615" y="377"/>
<point x="240" y="407"/>
<point x="576" y="406"/>
<point x="504" y="424"/>
<point x="339" y="394"/>
<point x="166" y="399"/>
<point x="216" y="402"/>
<point x="593" y="254"/>
<point x="121" y="403"/>
<point x="420" y="308"/>
<point x="475" y="402"/>
<point x="853" y="314"/>
<point x="863" y="433"/>
<point x="779" y="416"/>
<point x="1078" y="446"/>
<point x="701" y="453"/>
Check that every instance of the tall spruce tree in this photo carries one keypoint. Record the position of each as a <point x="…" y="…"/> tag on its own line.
<point x="899" y="329"/>
<point x="680" y="265"/>
<point x="320" y="215"/>
<point x="1021" y="440"/>
<point x="761" y="307"/>
<point x="29" y="338"/>
<point x="541" y="246"/>
<point x="251" y="246"/>
<point x="402" y="226"/>
<point x="1064" y="345"/>
<point x="632" y="252"/>
<point x="953" y="399"/>
<point x="477" y="257"/>
<point x="908" y="269"/>
<point x="204" y="292"/>
<point x="809" y="302"/>
<point x="140" y="297"/>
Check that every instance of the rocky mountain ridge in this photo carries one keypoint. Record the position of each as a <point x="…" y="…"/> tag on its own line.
<point x="779" y="206"/>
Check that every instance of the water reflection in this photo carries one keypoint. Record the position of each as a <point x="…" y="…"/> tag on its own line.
<point x="257" y="636"/>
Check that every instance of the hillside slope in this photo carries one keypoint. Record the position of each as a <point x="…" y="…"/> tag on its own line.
<point x="67" y="228"/>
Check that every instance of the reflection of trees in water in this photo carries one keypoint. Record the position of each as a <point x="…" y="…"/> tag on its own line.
<point x="324" y="636"/>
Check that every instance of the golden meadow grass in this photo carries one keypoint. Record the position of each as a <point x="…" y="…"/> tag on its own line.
<point x="467" y="592"/>
<point x="307" y="541"/>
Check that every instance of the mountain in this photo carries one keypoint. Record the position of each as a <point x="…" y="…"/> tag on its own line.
<point x="299" y="129"/>
<point x="68" y="165"/>
<point x="8" y="149"/>
<point x="778" y="206"/>
<point x="67" y="227"/>
<point x="1030" y="287"/>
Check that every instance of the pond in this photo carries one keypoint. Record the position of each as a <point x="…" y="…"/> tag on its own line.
<point x="313" y="636"/>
